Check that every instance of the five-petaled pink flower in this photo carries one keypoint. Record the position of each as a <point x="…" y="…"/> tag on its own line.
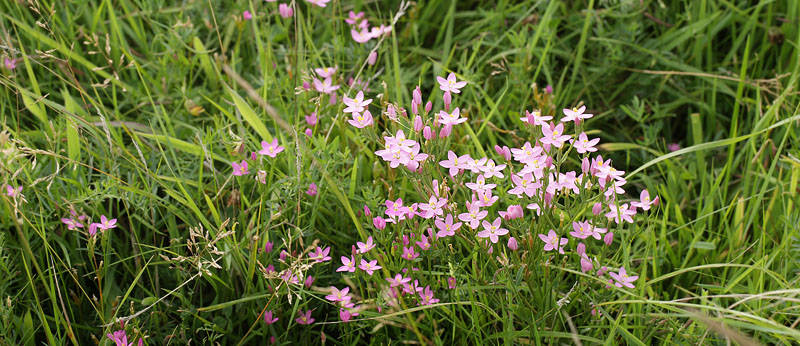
<point x="361" y="120"/>
<point x="13" y="191"/>
<point x="552" y="242"/>
<point x="348" y="265"/>
<point x="398" y="280"/>
<point x="304" y="318"/>
<point x="285" y="10"/>
<point x="623" y="279"/>
<point x="554" y="135"/>
<point x="575" y="114"/>
<point x="365" y="247"/>
<point x="320" y="255"/>
<point x="453" y="118"/>
<point x="326" y="86"/>
<point x="369" y="267"/>
<point x="447" y="227"/>
<point x="492" y="230"/>
<point x="71" y="223"/>
<point x="240" y="169"/>
<point x="644" y="201"/>
<point x="450" y="84"/>
<point x="356" y="105"/>
<point x="246" y="15"/>
<point x="325" y="72"/>
<point x="106" y="224"/>
<point x="339" y="295"/>
<point x="270" y="149"/>
<point x="584" y="144"/>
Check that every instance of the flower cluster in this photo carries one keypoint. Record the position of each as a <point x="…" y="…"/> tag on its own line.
<point x="360" y="29"/>
<point x="75" y="222"/>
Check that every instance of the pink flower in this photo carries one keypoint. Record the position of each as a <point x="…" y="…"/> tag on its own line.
<point x="379" y="222"/>
<point x="339" y="295"/>
<point x="673" y="147"/>
<point x="548" y="89"/>
<point x="398" y="280"/>
<point x="554" y="136"/>
<point x="120" y="338"/>
<point x="492" y="230"/>
<point x="247" y="16"/>
<point x="320" y="255"/>
<point x="356" y="105"/>
<point x="325" y="86"/>
<point x="345" y="315"/>
<point x="354" y="17"/>
<point x="427" y="133"/>
<point x="586" y="263"/>
<point x="348" y="265"/>
<point x="423" y="243"/>
<point x="268" y="247"/>
<point x="369" y="267"/>
<point x="480" y="185"/>
<point x="106" y="224"/>
<point x="473" y="215"/>
<point x="361" y="120"/>
<point x="622" y="279"/>
<point x="433" y="207"/>
<point x="426" y="297"/>
<point x="535" y="118"/>
<point x="445" y="131"/>
<point x="269" y="318"/>
<point x="409" y="253"/>
<point x="364" y="248"/>
<point x="527" y="153"/>
<point x="575" y="114"/>
<point x="609" y="238"/>
<point x="418" y="124"/>
<point x="285" y="10"/>
<point x="503" y="151"/>
<point x="450" y="84"/>
<point x="512" y="244"/>
<point x="308" y="132"/>
<point x="453" y="162"/>
<point x="525" y="184"/>
<point x="582" y="230"/>
<point x="551" y="242"/>
<point x="453" y="118"/>
<point x="320" y="3"/>
<point x="623" y="212"/>
<point x="360" y="36"/>
<point x="304" y="318"/>
<point x="312" y="190"/>
<point x="451" y="282"/>
<point x="325" y="72"/>
<point x="486" y="199"/>
<point x="93" y="229"/>
<point x="597" y="208"/>
<point x="446" y="228"/>
<point x="513" y="212"/>
<point x="240" y="169"/>
<point x="309" y="281"/>
<point x="583" y="144"/>
<point x="492" y="170"/>
<point x="644" y="201"/>
<point x="372" y="58"/>
<point x="270" y="149"/>
<point x="71" y="223"/>
<point x="311" y="119"/>
<point x="10" y="63"/>
<point x="13" y="191"/>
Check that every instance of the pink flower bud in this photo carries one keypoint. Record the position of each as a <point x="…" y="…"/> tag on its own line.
<point x="674" y="147"/>
<point x="447" y="100"/>
<point x="367" y="212"/>
<point x="414" y="108"/>
<point x="609" y="238"/>
<point x="512" y="244"/>
<point x="333" y="98"/>
<point x="268" y="247"/>
<point x="529" y="117"/>
<point x="372" y="59"/>
<point x="417" y="96"/>
<point x="418" y="124"/>
<point x="586" y="264"/>
<point x="597" y="208"/>
<point x="247" y="16"/>
<point x="581" y="250"/>
<point x="585" y="165"/>
<point x="283" y="255"/>
<point x="379" y="222"/>
<point x="253" y="156"/>
<point x="548" y="89"/>
<point x="391" y="112"/>
<point x="549" y="161"/>
<point x="427" y="133"/>
<point x="306" y="86"/>
<point x="445" y="131"/>
<point x="309" y="132"/>
<point x="428" y="107"/>
<point x="285" y="10"/>
<point x="309" y="281"/>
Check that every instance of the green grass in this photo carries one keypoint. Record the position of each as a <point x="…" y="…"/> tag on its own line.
<point x="718" y="259"/>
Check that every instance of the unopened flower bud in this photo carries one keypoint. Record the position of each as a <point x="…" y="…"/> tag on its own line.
<point x="427" y="133"/>
<point x="445" y="131"/>
<point x="372" y="59"/>
<point x="379" y="222"/>
<point x="512" y="244"/>
<point x="418" y="124"/>
<point x="428" y="106"/>
<point x="609" y="238"/>
<point x="597" y="208"/>
<point x="447" y="100"/>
